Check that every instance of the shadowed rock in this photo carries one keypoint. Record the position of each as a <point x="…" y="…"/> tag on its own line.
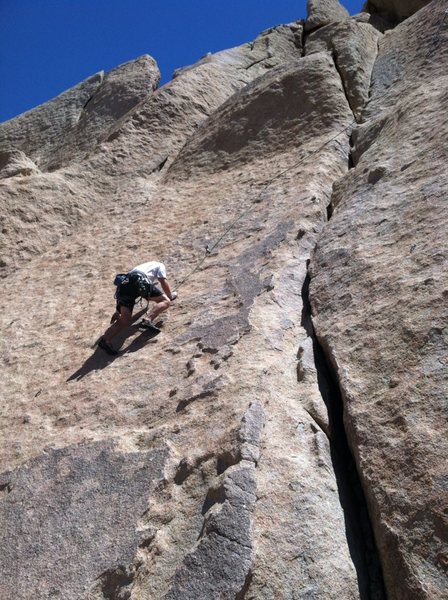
<point x="400" y="9"/>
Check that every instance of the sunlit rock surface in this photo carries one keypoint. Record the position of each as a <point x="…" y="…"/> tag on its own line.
<point x="284" y="436"/>
<point x="324" y="12"/>
<point x="379" y="300"/>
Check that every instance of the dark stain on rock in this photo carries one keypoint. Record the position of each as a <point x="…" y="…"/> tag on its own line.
<point x="218" y="566"/>
<point x="376" y="174"/>
<point x="183" y="471"/>
<point x="246" y="283"/>
<point x="214" y="496"/>
<point x="116" y="584"/>
<point x="78" y="505"/>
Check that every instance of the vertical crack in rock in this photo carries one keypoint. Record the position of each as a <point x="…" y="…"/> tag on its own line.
<point x="359" y="532"/>
<point x="334" y="56"/>
<point x="242" y="593"/>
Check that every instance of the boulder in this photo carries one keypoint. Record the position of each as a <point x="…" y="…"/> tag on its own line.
<point x="323" y="12"/>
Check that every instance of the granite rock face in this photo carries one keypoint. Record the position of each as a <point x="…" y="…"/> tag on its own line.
<point x="79" y="506"/>
<point x="282" y="437"/>
<point x="378" y="295"/>
<point x="129" y="143"/>
<point x="68" y="127"/>
<point x="16" y="162"/>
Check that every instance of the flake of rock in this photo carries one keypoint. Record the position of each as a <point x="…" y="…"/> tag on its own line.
<point x="252" y="424"/>
<point x="263" y="111"/>
<point x="163" y="123"/>
<point x="381" y="22"/>
<point x="219" y="565"/>
<point x="16" y="162"/>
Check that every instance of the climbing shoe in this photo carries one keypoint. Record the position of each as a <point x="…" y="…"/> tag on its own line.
<point x="149" y="325"/>
<point x="104" y="345"/>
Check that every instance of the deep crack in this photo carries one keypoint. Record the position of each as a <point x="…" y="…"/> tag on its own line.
<point x="242" y="593"/>
<point x="360" y="538"/>
<point x="344" y="87"/>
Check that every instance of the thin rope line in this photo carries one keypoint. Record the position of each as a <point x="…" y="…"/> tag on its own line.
<point x="265" y="185"/>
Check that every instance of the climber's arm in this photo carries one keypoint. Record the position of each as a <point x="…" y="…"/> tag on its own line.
<point x="166" y="287"/>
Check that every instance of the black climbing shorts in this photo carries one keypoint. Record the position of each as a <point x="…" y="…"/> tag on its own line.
<point x="129" y="301"/>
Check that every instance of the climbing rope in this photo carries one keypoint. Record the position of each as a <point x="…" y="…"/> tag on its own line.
<point x="264" y="186"/>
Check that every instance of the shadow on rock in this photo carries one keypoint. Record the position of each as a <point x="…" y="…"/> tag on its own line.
<point x="100" y="359"/>
<point x="139" y="342"/>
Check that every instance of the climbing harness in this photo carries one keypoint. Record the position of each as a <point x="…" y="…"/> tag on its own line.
<point x="134" y="283"/>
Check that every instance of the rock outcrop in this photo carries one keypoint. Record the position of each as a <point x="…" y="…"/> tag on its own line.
<point x="399" y="9"/>
<point x="354" y="47"/>
<point x="283" y="436"/>
<point x="16" y="162"/>
<point x="66" y="128"/>
<point x="324" y="12"/>
<point x="132" y="147"/>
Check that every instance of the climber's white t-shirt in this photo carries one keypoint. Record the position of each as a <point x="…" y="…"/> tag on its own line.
<point x="153" y="270"/>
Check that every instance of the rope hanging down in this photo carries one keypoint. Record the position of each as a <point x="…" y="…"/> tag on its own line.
<point x="210" y="247"/>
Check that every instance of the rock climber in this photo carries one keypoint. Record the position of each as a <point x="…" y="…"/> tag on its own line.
<point x="140" y="282"/>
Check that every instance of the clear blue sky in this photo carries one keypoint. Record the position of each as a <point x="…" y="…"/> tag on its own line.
<point x="47" y="46"/>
